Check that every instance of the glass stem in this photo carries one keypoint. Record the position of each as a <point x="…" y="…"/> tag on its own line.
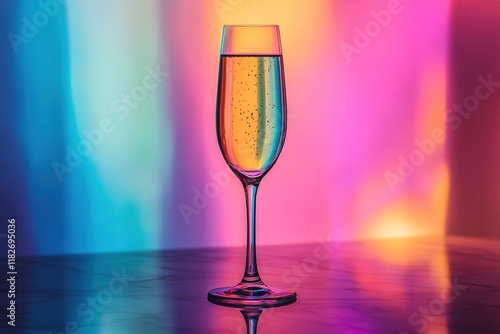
<point x="251" y="272"/>
<point x="251" y="319"/>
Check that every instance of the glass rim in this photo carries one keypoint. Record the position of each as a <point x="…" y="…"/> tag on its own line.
<point x="252" y="25"/>
<point x="251" y="39"/>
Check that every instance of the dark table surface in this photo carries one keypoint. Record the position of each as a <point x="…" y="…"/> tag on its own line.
<point x="400" y="286"/>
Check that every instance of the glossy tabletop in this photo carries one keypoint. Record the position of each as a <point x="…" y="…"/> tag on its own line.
<point x="400" y="286"/>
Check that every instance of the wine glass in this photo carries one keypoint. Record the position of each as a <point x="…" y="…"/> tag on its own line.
<point x="251" y="127"/>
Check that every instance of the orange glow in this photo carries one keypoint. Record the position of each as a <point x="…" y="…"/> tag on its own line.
<point x="399" y="219"/>
<point x="413" y="215"/>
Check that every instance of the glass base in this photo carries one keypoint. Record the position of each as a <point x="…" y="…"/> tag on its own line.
<point x="251" y="294"/>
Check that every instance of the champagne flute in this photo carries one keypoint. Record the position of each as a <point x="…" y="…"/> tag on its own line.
<point x="251" y="127"/>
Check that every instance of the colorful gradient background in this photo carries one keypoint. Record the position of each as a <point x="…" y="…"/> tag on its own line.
<point x="349" y="122"/>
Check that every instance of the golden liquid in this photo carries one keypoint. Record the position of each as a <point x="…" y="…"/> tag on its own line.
<point x="251" y="112"/>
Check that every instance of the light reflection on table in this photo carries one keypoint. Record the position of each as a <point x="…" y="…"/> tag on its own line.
<point x="395" y="286"/>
